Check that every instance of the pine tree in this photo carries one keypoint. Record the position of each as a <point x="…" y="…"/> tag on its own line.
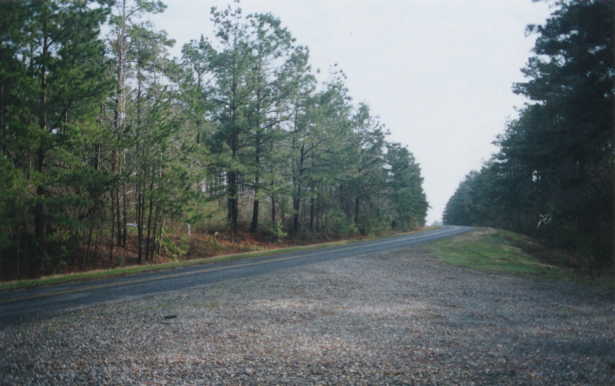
<point x="54" y="60"/>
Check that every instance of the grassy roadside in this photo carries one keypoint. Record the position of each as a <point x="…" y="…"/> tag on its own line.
<point x="134" y="269"/>
<point x="500" y="251"/>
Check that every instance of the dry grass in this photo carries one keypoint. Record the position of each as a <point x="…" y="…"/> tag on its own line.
<point x="200" y="248"/>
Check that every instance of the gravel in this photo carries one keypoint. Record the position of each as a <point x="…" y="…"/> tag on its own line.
<point x="396" y="318"/>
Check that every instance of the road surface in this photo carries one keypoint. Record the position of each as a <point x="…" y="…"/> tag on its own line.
<point x="21" y="305"/>
<point x="378" y="312"/>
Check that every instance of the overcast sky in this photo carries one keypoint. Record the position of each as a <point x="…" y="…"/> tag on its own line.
<point x="437" y="72"/>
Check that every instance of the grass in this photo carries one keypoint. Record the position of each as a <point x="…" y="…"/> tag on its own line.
<point x="500" y="251"/>
<point x="135" y="269"/>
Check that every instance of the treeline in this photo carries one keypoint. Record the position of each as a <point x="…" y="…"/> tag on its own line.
<point x="107" y="142"/>
<point x="554" y="174"/>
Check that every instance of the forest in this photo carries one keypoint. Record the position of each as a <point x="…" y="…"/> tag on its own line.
<point x="109" y="144"/>
<point x="553" y="176"/>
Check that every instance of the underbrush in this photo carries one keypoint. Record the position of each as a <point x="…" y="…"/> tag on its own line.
<point x="179" y="249"/>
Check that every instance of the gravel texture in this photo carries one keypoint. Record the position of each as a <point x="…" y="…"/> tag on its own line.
<point x="396" y="318"/>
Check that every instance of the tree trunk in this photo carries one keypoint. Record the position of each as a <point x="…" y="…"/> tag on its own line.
<point x="298" y="191"/>
<point x="124" y="222"/>
<point x="150" y="215"/>
<point x="356" y="211"/>
<point x="255" y="210"/>
<point x="254" y="224"/>
<point x="232" y="201"/>
<point x="118" y="125"/>
<point x="140" y="209"/>
<point x="296" y="210"/>
<point x="40" y="209"/>
<point x="312" y="213"/>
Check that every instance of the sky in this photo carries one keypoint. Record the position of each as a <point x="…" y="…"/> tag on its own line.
<point x="438" y="73"/>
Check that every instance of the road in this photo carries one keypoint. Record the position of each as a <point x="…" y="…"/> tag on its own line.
<point x="377" y="312"/>
<point x="38" y="303"/>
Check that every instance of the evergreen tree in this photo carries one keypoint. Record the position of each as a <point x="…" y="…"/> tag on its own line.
<point x="554" y="174"/>
<point x="99" y="136"/>
<point x="52" y="61"/>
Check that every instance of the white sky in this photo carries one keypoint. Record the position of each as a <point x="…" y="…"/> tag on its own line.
<point x="437" y="72"/>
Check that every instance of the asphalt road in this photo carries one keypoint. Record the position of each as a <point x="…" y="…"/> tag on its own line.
<point x="17" y="306"/>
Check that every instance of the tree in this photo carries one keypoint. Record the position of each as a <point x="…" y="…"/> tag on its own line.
<point x="272" y="46"/>
<point x="409" y="204"/>
<point x="231" y="64"/>
<point x="52" y="61"/>
<point x="127" y="28"/>
<point x="99" y="136"/>
<point x="554" y="173"/>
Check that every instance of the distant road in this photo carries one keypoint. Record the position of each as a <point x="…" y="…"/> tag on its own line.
<point x="21" y="305"/>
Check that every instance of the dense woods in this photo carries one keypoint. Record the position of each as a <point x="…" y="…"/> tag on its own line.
<point x="109" y="144"/>
<point x="554" y="174"/>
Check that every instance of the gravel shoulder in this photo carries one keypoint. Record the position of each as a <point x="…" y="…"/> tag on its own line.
<point x="392" y="318"/>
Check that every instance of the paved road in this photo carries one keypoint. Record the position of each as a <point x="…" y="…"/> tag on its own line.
<point x="21" y="305"/>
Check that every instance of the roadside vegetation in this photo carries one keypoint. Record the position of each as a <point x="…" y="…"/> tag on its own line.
<point x="113" y="153"/>
<point x="224" y="252"/>
<point x="553" y="177"/>
<point x="501" y="251"/>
